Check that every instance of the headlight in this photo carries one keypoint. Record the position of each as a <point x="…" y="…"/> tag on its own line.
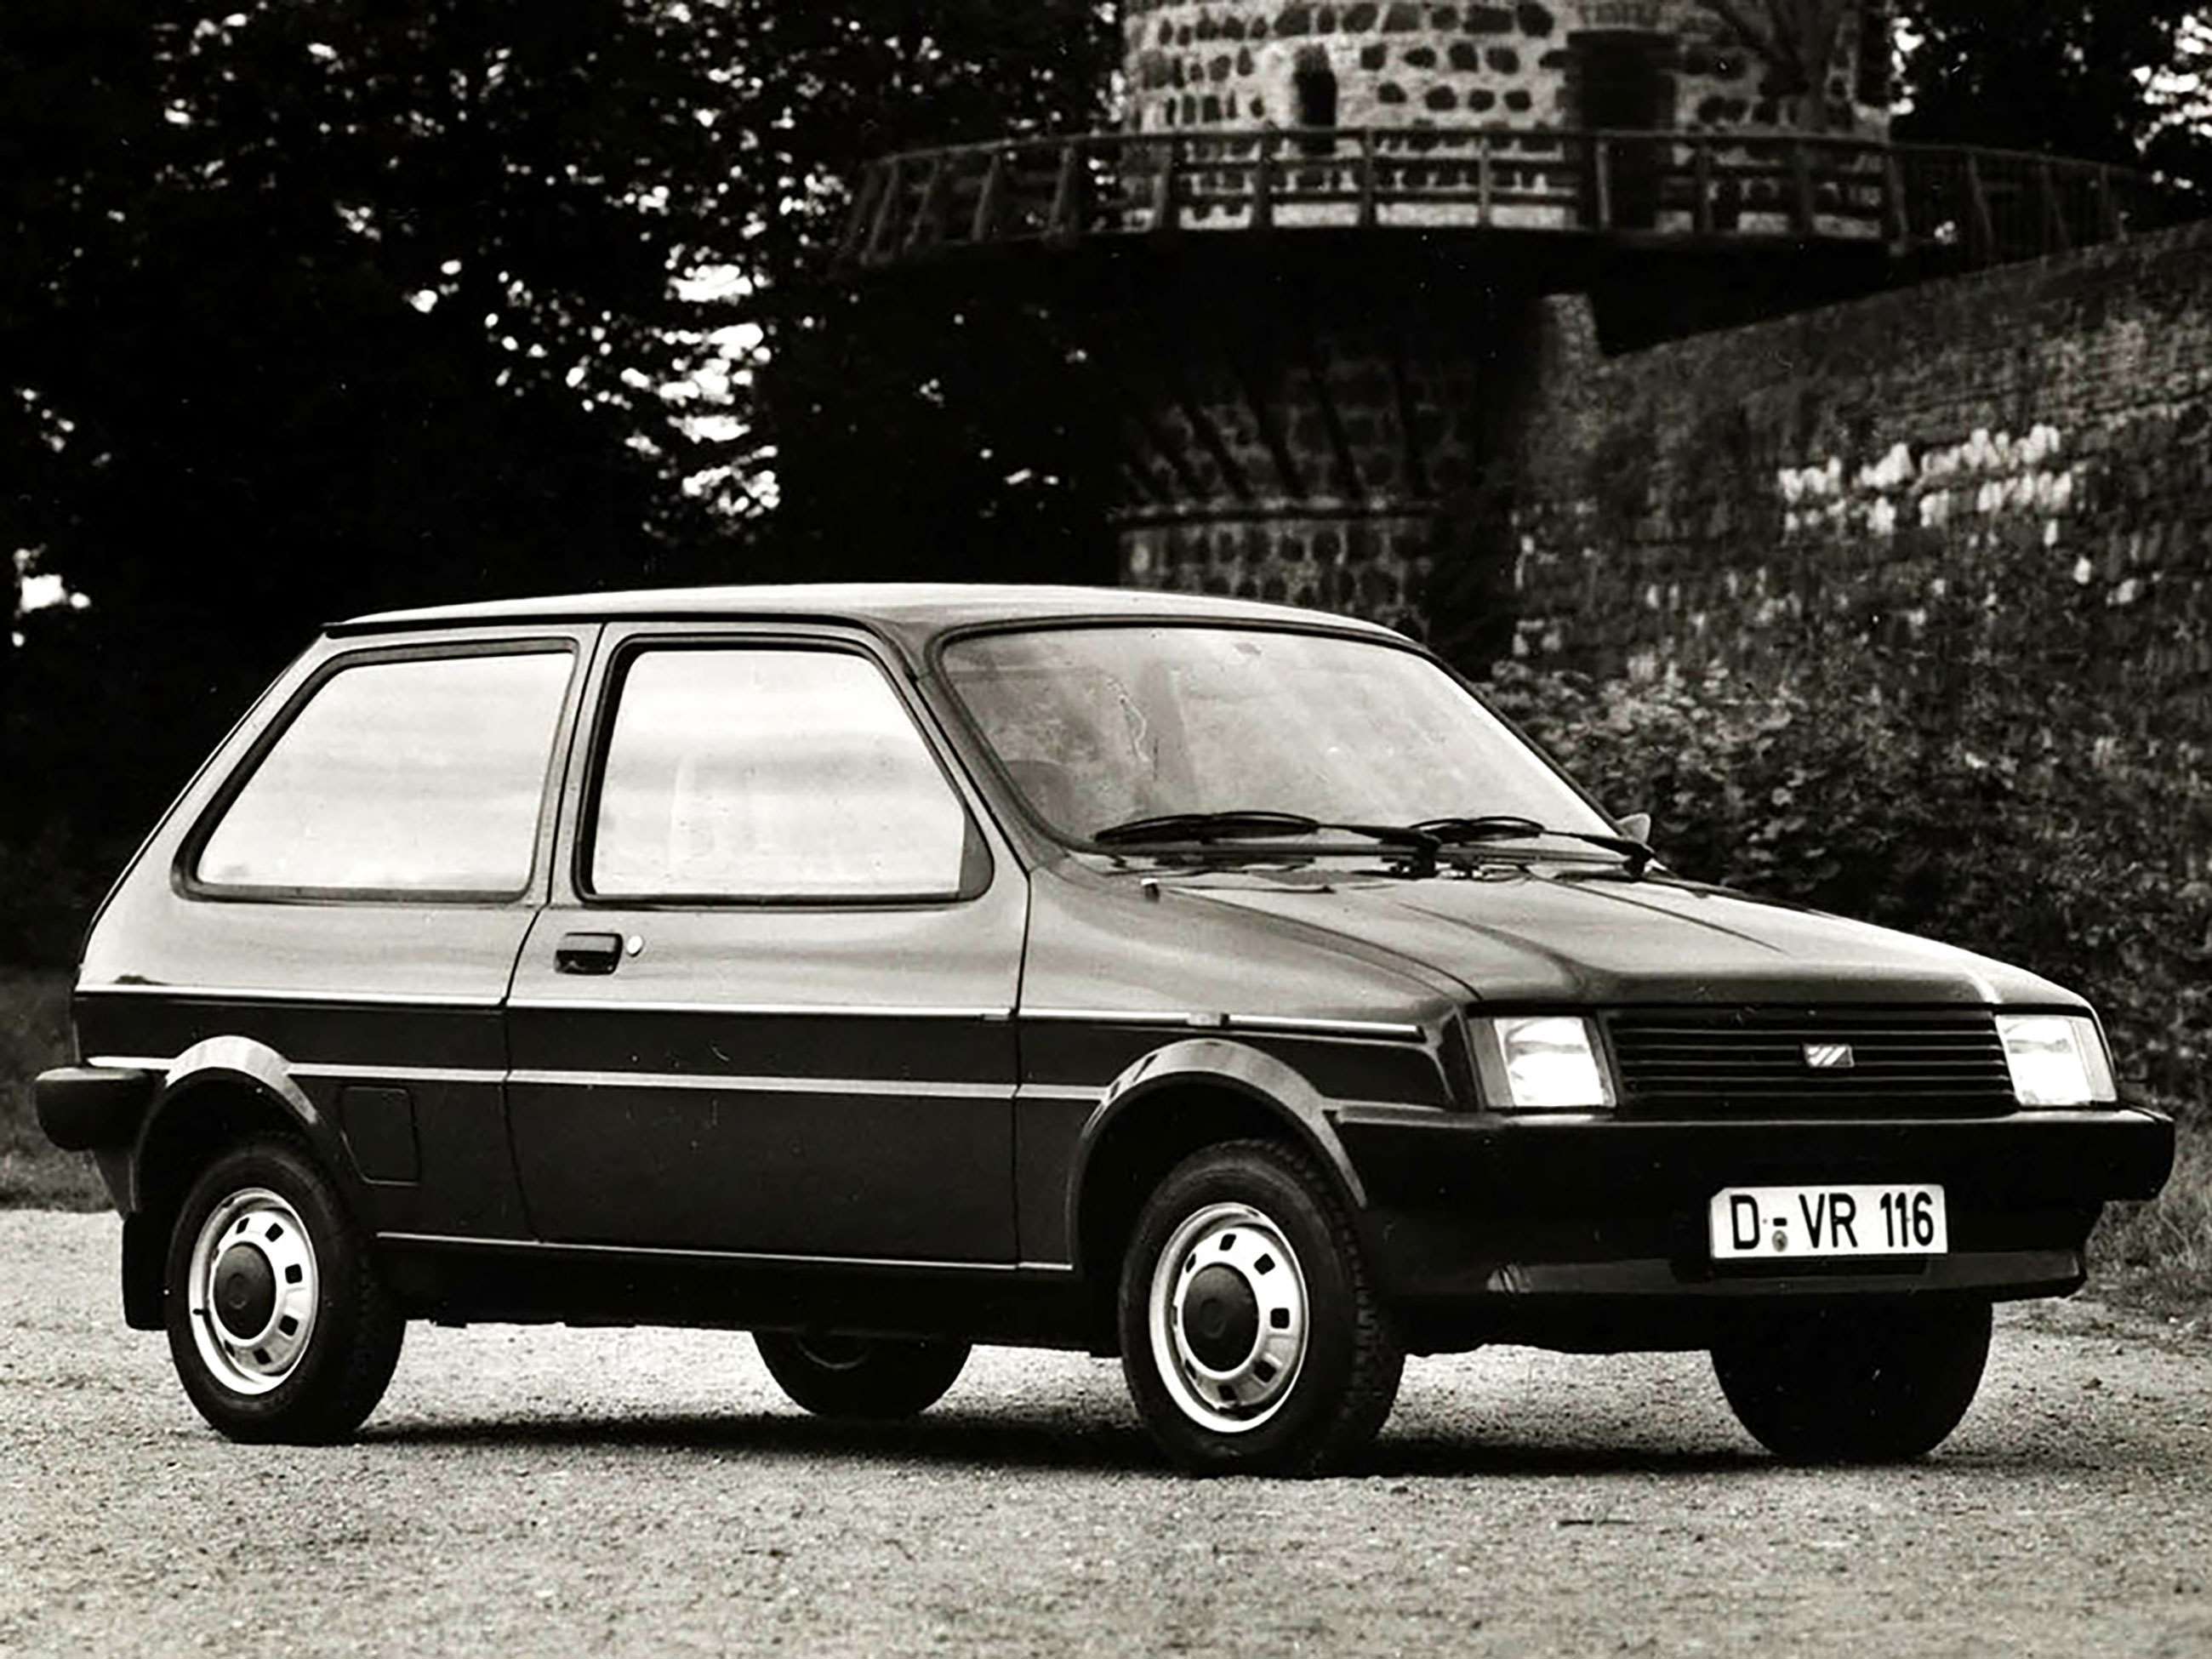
<point x="1548" y="1063"/>
<point x="2057" y="1059"/>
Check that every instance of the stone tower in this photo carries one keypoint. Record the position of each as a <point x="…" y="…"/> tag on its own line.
<point x="1313" y="256"/>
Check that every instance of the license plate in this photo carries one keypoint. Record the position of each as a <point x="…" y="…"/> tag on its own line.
<point x="1773" y="1224"/>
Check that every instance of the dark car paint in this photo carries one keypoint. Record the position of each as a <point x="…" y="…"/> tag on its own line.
<point x="873" y="1040"/>
<point x="765" y="1117"/>
<point x="1553" y="934"/>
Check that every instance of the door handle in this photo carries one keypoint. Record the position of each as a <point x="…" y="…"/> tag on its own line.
<point x="588" y="953"/>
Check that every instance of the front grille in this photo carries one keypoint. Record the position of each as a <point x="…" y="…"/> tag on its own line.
<point x="1698" y="1062"/>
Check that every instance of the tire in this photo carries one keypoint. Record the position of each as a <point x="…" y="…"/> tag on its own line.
<point x="1252" y="1339"/>
<point x="862" y="1378"/>
<point x="1876" y="1384"/>
<point x="279" y="1326"/>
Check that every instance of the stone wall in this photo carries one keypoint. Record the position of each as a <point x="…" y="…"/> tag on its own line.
<point x="2009" y="473"/>
<point x="1508" y="63"/>
<point x="1308" y="460"/>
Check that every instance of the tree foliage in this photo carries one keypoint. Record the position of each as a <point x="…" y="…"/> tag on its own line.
<point x="310" y="306"/>
<point x="333" y="304"/>
<point x="932" y="429"/>
<point x="2122" y="83"/>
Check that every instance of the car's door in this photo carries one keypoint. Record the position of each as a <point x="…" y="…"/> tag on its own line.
<point x="337" y="903"/>
<point x="768" y="1008"/>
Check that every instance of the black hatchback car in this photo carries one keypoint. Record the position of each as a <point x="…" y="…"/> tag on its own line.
<point x="888" y="970"/>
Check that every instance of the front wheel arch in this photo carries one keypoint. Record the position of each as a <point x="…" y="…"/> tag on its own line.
<point x="1169" y="1105"/>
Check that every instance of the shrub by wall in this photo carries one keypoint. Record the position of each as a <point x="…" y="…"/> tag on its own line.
<point x="1978" y="817"/>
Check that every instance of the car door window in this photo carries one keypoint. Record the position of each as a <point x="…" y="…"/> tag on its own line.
<point x="416" y="775"/>
<point x="754" y="772"/>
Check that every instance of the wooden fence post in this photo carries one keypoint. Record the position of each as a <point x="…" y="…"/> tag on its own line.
<point x="2057" y="237"/>
<point x="1802" y="207"/>
<point x="990" y="201"/>
<point x="1067" y="221"/>
<point x="1166" y="204"/>
<point x="1982" y="229"/>
<point x="1896" y="205"/>
<point x="886" y="225"/>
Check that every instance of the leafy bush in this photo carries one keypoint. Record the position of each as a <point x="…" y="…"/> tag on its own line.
<point x="2002" y="819"/>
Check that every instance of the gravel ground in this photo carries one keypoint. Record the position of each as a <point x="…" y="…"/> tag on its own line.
<point x="571" y="1492"/>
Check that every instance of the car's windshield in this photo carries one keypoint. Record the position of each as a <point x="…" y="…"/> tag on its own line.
<point x="1098" y="726"/>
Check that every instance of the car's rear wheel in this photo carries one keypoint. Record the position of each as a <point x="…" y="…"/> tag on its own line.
<point x="1878" y="1384"/>
<point x="1251" y="1339"/>
<point x="278" y="1326"/>
<point x="859" y="1377"/>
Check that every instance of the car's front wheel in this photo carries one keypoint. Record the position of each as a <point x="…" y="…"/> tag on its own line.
<point x="859" y="1377"/>
<point x="278" y="1326"/>
<point x="1251" y="1337"/>
<point x="1878" y="1384"/>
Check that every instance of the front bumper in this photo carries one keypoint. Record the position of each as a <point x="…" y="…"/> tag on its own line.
<point x="1590" y="1232"/>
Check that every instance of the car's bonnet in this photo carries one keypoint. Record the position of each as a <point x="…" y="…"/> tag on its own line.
<point x="1576" y="936"/>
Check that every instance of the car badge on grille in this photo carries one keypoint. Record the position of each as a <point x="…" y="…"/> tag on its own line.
<point x="1829" y="1056"/>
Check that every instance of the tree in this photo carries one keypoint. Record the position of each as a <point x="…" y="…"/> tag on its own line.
<point x="2084" y="78"/>
<point x="958" y="412"/>
<point x="310" y="306"/>
<point x="316" y="305"/>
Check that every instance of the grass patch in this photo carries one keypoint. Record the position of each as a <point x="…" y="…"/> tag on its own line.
<point x="34" y="1034"/>
<point x="2158" y="1255"/>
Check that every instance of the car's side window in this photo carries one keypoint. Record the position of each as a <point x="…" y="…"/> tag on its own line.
<point x="752" y="773"/>
<point x="418" y="775"/>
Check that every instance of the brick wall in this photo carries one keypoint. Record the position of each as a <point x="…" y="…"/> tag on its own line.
<point x="2005" y="473"/>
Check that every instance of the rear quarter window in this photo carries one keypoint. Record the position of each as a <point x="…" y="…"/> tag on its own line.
<point x="421" y="775"/>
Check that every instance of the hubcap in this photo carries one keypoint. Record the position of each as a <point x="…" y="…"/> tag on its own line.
<point x="244" y="1291"/>
<point x="1228" y="1318"/>
<point x="253" y="1290"/>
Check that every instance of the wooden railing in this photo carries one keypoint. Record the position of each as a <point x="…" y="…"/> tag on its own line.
<point x="1988" y="205"/>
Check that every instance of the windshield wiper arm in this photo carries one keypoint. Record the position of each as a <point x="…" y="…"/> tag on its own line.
<point x="1206" y="826"/>
<point x="1508" y="826"/>
<point x="1169" y="827"/>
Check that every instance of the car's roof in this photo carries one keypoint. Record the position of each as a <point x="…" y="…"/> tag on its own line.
<point x="909" y="613"/>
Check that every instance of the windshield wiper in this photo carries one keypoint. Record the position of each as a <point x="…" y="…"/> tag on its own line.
<point x="1170" y="829"/>
<point x="1207" y="826"/>
<point x="1507" y="826"/>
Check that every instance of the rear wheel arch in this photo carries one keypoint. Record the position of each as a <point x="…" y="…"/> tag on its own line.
<point x="198" y="1115"/>
<point x="1168" y="1106"/>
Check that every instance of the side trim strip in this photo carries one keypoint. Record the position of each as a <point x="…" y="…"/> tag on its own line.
<point x="752" y="1010"/>
<point x="400" y="1074"/>
<point x="129" y="1063"/>
<point x="240" y="994"/>
<point x="549" y="1247"/>
<point x="889" y="1087"/>
<point x="892" y="1088"/>
<point x="1287" y="1025"/>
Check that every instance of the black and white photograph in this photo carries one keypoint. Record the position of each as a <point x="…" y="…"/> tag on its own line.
<point x="1106" y="827"/>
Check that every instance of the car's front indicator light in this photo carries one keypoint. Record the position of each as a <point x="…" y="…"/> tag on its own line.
<point x="2057" y="1059"/>
<point x="1551" y="1063"/>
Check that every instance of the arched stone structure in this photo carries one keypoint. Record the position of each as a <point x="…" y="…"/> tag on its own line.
<point x="1314" y="258"/>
